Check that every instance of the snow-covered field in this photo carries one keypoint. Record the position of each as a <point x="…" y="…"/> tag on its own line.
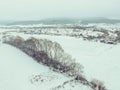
<point x="100" y="61"/>
<point x="94" y="32"/>
<point x="19" y="72"/>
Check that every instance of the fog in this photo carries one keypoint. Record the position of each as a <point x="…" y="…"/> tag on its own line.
<point x="40" y="9"/>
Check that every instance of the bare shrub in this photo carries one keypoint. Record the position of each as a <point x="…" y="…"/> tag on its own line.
<point x="97" y="85"/>
<point x="14" y="40"/>
<point x="118" y="36"/>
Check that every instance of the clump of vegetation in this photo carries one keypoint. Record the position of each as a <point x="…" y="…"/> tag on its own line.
<point x="118" y="36"/>
<point x="48" y="53"/>
<point x="97" y="85"/>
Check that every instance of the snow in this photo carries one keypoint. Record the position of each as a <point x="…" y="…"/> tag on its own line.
<point x="101" y="61"/>
<point x="17" y="68"/>
<point x="18" y="71"/>
<point x="107" y="26"/>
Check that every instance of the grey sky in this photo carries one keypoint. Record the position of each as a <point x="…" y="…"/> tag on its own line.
<point x="37" y="9"/>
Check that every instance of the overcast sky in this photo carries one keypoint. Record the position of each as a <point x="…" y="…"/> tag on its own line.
<point x="38" y="9"/>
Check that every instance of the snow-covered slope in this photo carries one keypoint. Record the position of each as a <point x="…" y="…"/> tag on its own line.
<point x="20" y="72"/>
<point x="100" y="61"/>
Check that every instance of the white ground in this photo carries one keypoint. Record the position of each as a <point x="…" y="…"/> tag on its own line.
<point x="20" y="72"/>
<point x="101" y="61"/>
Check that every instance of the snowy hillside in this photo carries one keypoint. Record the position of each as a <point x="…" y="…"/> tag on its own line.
<point x="20" y="72"/>
<point x="100" y="61"/>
